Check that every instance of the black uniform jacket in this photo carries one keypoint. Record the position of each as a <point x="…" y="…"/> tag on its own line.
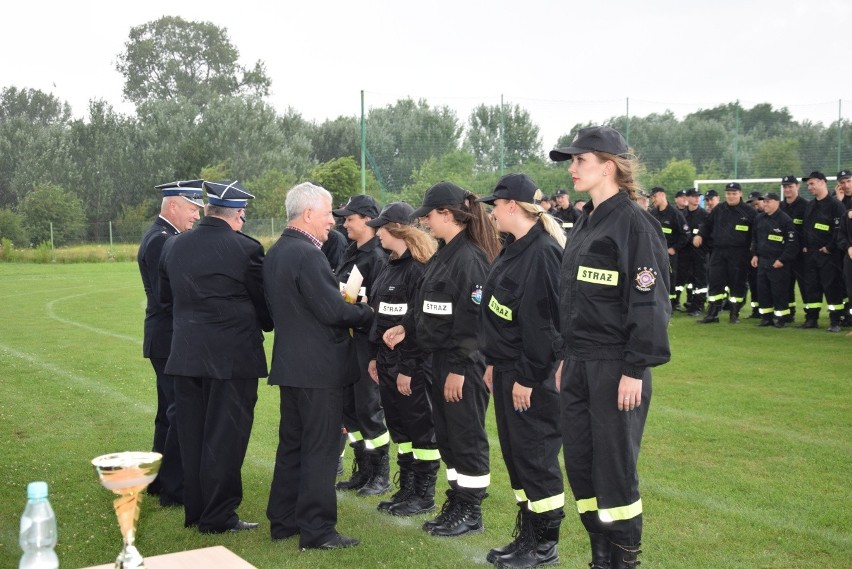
<point x="614" y="300"/>
<point x="675" y="228"/>
<point x="796" y="211"/>
<point x="312" y="346"/>
<point x="822" y="222"/>
<point x="567" y="217"/>
<point x="774" y="237"/>
<point x="520" y="308"/>
<point x="370" y="258"/>
<point x="729" y="226"/>
<point x="446" y="314"/>
<point x="844" y="234"/>
<point x="157" y="339"/>
<point x="394" y="296"/>
<point x="212" y="278"/>
<point x="694" y="218"/>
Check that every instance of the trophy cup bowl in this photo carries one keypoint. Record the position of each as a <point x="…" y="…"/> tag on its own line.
<point x="127" y="474"/>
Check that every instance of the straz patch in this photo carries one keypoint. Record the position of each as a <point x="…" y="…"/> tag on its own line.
<point x="440" y="308"/>
<point x="393" y="309"/>
<point x="503" y="312"/>
<point x="476" y="294"/>
<point x="597" y="276"/>
<point x="645" y="279"/>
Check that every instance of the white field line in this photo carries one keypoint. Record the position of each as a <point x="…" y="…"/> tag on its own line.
<point x="49" y="309"/>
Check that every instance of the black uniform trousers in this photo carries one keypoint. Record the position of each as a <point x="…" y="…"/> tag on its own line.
<point x="673" y="276"/>
<point x="753" y="286"/>
<point x="409" y="417"/>
<point x="773" y="287"/>
<point x="530" y="441"/>
<point x="214" y="418"/>
<point x="302" y="498"/>
<point x="362" y="404"/>
<point x="460" y="426"/>
<point x="601" y="448"/>
<point x="728" y="267"/>
<point x="169" y="481"/>
<point x="692" y="269"/>
<point x="847" y="277"/>
<point x="797" y="276"/>
<point x="823" y="276"/>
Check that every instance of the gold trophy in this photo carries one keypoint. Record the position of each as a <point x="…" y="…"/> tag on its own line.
<point x="127" y="474"/>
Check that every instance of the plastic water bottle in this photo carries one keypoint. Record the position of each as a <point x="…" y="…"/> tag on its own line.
<point x="38" y="530"/>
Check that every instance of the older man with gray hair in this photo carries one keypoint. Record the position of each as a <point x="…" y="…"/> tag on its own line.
<point x="311" y="317"/>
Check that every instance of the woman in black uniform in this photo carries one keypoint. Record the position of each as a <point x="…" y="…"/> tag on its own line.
<point x="519" y="337"/>
<point x="614" y="308"/>
<point x="445" y="323"/>
<point x="403" y="375"/>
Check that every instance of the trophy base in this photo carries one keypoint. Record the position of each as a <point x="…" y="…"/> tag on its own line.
<point x="129" y="558"/>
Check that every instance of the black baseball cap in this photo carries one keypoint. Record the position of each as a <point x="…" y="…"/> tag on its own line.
<point x="361" y="204"/>
<point x="680" y="193"/>
<point x="711" y="194"/>
<point x="815" y="174"/>
<point x="843" y="174"/>
<point x="657" y="190"/>
<point x="396" y="212"/>
<point x="754" y="196"/>
<point x="560" y="193"/>
<point x="589" y="139"/>
<point x="772" y="196"/>
<point x="691" y="192"/>
<point x="789" y="180"/>
<point x="733" y="187"/>
<point x="518" y="187"/>
<point x="441" y="194"/>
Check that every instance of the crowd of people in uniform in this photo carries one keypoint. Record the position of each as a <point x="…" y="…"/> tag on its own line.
<point x="404" y="329"/>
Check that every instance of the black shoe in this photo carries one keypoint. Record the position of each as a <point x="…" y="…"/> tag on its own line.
<point x="336" y="542"/>
<point x="808" y="323"/>
<point x="244" y="526"/>
<point x="465" y="518"/>
<point x="780" y="323"/>
<point x="764" y="323"/>
<point x="694" y="312"/>
<point x="835" y="327"/>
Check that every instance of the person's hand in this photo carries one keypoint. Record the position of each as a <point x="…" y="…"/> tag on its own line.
<point x="558" y="377"/>
<point x="453" y="388"/>
<point x="696" y="241"/>
<point x="823" y="250"/>
<point x="629" y="393"/>
<point x="488" y="378"/>
<point x="754" y="261"/>
<point x="777" y="264"/>
<point x="393" y="336"/>
<point x="403" y="384"/>
<point x="849" y="250"/>
<point x="374" y="373"/>
<point x="521" y="397"/>
<point x="671" y="251"/>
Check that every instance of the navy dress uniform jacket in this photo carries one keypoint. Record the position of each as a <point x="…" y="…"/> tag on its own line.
<point x="157" y="339"/>
<point x="212" y="277"/>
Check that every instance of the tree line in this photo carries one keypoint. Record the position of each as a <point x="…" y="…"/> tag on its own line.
<point x="199" y="113"/>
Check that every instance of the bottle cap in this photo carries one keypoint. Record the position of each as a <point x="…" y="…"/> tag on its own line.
<point x="37" y="490"/>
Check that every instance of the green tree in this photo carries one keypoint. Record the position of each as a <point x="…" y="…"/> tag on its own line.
<point x="486" y="128"/>
<point x="49" y="203"/>
<point x="172" y="57"/>
<point x="676" y="175"/>
<point x="456" y="166"/>
<point x="12" y="229"/>
<point x="775" y="157"/>
<point x="340" y="176"/>
<point x="335" y="139"/>
<point x="269" y="190"/>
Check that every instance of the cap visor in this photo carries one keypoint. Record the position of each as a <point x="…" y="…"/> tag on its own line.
<point x="198" y="202"/>
<point x="421" y="211"/>
<point x="342" y="212"/>
<point x="488" y="199"/>
<point x="378" y="222"/>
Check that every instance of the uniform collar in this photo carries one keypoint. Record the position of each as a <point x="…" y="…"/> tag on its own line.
<point x="518" y="246"/>
<point x="166" y="223"/>
<point x="604" y="208"/>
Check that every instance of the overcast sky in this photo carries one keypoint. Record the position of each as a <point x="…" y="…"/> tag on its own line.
<point x="565" y="62"/>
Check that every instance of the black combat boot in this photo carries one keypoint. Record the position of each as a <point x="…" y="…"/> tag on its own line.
<point x="539" y="544"/>
<point x="493" y="554"/>
<point x="422" y="497"/>
<point x="465" y="518"/>
<point x="734" y="317"/>
<point x="379" y="481"/>
<point x="404" y="479"/>
<point x="811" y="320"/>
<point x="765" y="320"/>
<point x="449" y="507"/>
<point x="601" y="551"/>
<point x="625" y="556"/>
<point x="780" y="322"/>
<point x="712" y="313"/>
<point x="755" y="313"/>
<point x="696" y="307"/>
<point x="360" y="469"/>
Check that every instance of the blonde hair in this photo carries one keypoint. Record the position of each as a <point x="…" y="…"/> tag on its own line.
<point x="421" y="245"/>
<point x="626" y="171"/>
<point x="551" y="226"/>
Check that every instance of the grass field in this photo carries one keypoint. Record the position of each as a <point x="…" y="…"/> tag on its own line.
<point x="746" y="459"/>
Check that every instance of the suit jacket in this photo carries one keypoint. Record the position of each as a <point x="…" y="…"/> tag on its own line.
<point x="212" y="277"/>
<point x="313" y="347"/>
<point x="157" y="339"/>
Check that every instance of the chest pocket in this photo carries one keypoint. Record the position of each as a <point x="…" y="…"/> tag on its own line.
<point x="393" y="302"/>
<point x="597" y="272"/>
<point x="504" y="304"/>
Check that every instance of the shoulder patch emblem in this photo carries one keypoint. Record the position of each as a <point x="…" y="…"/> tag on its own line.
<point x="476" y="294"/>
<point x="645" y="279"/>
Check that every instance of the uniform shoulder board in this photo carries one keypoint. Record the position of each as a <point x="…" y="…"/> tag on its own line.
<point x="249" y="237"/>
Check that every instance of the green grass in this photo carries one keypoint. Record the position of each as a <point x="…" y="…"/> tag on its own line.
<point x="745" y="463"/>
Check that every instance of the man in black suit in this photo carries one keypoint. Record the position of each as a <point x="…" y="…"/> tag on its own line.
<point x="212" y="277"/>
<point x="178" y="212"/>
<point x="310" y="362"/>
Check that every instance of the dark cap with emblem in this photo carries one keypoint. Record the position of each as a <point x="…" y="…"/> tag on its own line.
<point x="560" y="192"/>
<point x="227" y="194"/>
<point x="518" y="187"/>
<point x="789" y="180"/>
<point x="843" y="174"/>
<point x="657" y="190"/>
<point x="772" y="196"/>
<point x="711" y="194"/>
<point x="362" y="204"/>
<point x="754" y="196"/>
<point x="680" y="193"/>
<point x="691" y="192"/>
<point x="440" y="195"/>
<point x="189" y="190"/>
<point x="733" y="187"/>
<point x="592" y="139"/>
<point x="396" y="212"/>
<point x="816" y="174"/>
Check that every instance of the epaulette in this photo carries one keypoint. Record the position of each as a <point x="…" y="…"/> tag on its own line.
<point x="250" y="237"/>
